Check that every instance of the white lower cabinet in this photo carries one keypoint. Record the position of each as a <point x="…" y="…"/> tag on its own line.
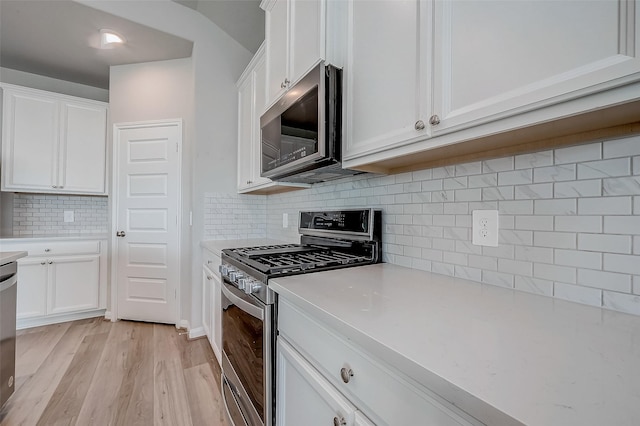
<point x="319" y="372"/>
<point x="59" y="281"/>
<point x="211" y="288"/>
<point x="304" y="397"/>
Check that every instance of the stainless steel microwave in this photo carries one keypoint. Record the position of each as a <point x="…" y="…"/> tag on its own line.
<point x="301" y="135"/>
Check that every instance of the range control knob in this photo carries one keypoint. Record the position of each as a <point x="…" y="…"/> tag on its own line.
<point x="252" y="286"/>
<point x="242" y="282"/>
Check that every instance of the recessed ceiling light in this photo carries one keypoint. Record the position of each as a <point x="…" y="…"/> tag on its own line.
<point x="110" y="39"/>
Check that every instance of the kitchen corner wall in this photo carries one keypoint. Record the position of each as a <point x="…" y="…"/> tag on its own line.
<point x="43" y="215"/>
<point x="569" y="220"/>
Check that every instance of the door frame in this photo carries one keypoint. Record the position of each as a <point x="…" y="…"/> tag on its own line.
<point x="115" y="180"/>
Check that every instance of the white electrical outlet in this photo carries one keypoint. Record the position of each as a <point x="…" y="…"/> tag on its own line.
<point x="285" y="220"/>
<point x="485" y="228"/>
<point x="68" y="216"/>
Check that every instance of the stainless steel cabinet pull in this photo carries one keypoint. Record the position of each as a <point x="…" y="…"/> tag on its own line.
<point x="47" y="250"/>
<point x="346" y="374"/>
<point x="54" y="186"/>
<point x="285" y="83"/>
<point x="50" y="262"/>
<point x="419" y="125"/>
<point x="43" y="263"/>
<point x="209" y="262"/>
<point x="434" y="120"/>
<point x="209" y="277"/>
<point x="339" y="421"/>
<point x="120" y="234"/>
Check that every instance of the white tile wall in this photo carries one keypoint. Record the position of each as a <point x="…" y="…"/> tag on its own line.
<point x="40" y="214"/>
<point x="569" y="218"/>
<point x="234" y="216"/>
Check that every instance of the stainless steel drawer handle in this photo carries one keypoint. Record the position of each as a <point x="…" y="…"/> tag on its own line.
<point x="346" y="374"/>
<point x="434" y="120"/>
<point x="120" y="234"/>
<point x="339" y="421"/>
<point x="50" y="262"/>
<point x="43" y="263"/>
<point x="47" y="250"/>
<point x="419" y="125"/>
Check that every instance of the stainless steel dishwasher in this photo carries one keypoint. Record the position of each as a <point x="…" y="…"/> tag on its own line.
<point x="8" y="292"/>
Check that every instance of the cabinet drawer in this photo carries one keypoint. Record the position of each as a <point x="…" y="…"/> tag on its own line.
<point x="379" y="391"/>
<point x="57" y="248"/>
<point x="211" y="260"/>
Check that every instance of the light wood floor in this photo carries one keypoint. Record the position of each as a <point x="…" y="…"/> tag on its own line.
<point x="95" y="372"/>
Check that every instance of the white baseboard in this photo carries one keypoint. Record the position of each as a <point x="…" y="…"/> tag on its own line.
<point x="108" y="315"/>
<point x="196" y="332"/>
<point x="56" y="319"/>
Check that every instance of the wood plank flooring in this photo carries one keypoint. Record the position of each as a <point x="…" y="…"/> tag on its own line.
<point x="95" y="372"/>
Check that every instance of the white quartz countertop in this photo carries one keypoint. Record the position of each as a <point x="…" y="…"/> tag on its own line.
<point x="503" y="356"/>
<point x="11" y="256"/>
<point x="216" y="246"/>
<point x="68" y="237"/>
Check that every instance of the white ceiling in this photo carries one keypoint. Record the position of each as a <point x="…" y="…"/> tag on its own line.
<point x="60" y="39"/>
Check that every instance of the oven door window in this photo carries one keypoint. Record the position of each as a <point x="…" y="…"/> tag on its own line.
<point x="293" y="135"/>
<point x="242" y="342"/>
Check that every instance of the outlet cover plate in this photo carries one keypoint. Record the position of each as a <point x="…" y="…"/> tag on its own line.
<point x="485" y="228"/>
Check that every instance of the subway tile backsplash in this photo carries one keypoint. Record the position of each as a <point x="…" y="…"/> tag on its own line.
<point x="234" y="216"/>
<point x="569" y="220"/>
<point x="43" y="214"/>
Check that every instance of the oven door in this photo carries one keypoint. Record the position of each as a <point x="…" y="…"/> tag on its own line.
<point x="247" y="355"/>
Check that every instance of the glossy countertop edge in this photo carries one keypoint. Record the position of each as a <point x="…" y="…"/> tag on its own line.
<point x="216" y="246"/>
<point x="65" y="237"/>
<point x="11" y="256"/>
<point x="503" y="356"/>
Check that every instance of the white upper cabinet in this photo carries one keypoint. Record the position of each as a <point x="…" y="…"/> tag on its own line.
<point x="251" y="105"/>
<point x="299" y="34"/>
<point x="385" y="86"/>
<point x="83" y="144"/>
<point x="495" y="58"/>
<point x="52" y="143"/>
<point x="422" y="75"/>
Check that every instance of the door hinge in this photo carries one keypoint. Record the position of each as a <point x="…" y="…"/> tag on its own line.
<point x="177" y="147"/>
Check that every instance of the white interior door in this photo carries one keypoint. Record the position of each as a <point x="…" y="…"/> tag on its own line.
<point x="147" y="201"/>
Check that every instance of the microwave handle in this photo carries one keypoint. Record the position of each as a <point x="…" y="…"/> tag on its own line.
<point x="250" y="307"/>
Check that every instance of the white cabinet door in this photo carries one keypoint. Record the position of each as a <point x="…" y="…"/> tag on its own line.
<point x="305" y="37"/>
<point x="495" y="58"/>
<point x="32" y="288"/>
<point x="385" y="75"/>
<point x="361" y="420"/>
<point x="259" y="98"/>
<point x="207" y="285"/>
<point x="74" y="283"/>
<point x="277" y="48"/>
<point x="245" y="133"/>
<point x="82" y="161"/>
<point x="295" y="40"/>
<point x="216" y="317"/>
<point x="303" y="396"/>
<point x="30" y="141"/>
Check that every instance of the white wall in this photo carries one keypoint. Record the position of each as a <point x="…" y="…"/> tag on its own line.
<point x="210" y="150"/>
<point x="36" y="81"/>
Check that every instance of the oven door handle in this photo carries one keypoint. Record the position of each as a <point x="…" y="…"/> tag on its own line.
<point x="248" y="306"/>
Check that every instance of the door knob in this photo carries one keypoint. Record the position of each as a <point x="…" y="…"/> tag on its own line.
<point x="120" y="234"/>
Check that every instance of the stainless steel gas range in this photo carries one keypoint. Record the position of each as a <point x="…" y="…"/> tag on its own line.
<point x="329" y="240"/>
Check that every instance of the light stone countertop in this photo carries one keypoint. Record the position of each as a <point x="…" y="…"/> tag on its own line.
<point x="11" y="256"/>
<point x="64" y="237"/>
<point x="505" y="357"/>
<point x="216" y="246"/>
